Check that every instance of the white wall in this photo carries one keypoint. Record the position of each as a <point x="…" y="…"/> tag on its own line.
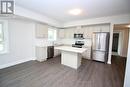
<point x="21" y="43"/>
<point x="123" y="41"/>
<point x="127" y="74"/>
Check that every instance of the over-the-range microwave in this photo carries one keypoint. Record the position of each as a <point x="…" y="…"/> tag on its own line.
<point x="78" y="36"/>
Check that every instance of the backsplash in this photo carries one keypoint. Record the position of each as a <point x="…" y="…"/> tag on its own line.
<point x="87" y="42"/>
<point x="43" y="42"/>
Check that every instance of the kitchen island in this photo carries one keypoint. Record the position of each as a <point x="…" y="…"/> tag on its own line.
<point x="71" y="56"/>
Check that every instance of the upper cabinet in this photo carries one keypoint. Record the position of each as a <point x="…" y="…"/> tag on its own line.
<point x="105" y="28"/>
<point x="61" y="33"/>
<point x="78" y="30"/>
<point x="69" y="33"/>
<point x="88" y="32"/>
<point x="96" y="28"/>
<point x="41" y="31"/>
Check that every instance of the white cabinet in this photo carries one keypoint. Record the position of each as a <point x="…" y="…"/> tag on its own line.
<point x="78" y="30"/>
<point x="56" y="52"/>
<point x="105" y="28"/>
<point x="87" y="54"/>
<point x="88" y="32"/>
<point x="102" y="28"/>
<point x="69" y="33"/>
<point x="97" y="28"/>
<point x="41" y="53"/>
<point x="61" y="33"/>
<point x="41" y="31"/>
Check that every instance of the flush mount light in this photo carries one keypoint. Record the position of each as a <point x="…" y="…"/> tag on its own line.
<point x="128" y="26"/>
<point x="75" y="11"/>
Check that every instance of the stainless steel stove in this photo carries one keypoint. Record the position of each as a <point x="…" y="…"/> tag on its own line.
<point x="78" y="44"/>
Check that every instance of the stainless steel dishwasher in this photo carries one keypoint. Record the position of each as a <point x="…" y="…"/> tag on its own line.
<point x="50" y="52"/>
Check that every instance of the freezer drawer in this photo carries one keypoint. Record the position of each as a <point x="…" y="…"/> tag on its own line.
<point x="99" y="56"/>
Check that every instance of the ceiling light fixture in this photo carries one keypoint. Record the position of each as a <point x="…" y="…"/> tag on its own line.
<point x="75" y="11"/>
<point x="128" y="26"/>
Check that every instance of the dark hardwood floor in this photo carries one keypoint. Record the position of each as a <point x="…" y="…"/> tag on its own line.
<point x="52" y="74"/>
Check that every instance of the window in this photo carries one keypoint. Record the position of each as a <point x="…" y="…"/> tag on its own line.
<point x="52" y="34"/>
<point x="3" y="37"/>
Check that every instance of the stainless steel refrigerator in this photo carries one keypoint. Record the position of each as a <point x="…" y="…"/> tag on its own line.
<point x="100" y="46"/>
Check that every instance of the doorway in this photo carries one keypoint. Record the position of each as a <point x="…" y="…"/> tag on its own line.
<point x="119" y="50"/>
<point x="115" y="42"/>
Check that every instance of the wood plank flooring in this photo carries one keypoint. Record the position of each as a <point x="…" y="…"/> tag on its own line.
<point x="52" y="74"/>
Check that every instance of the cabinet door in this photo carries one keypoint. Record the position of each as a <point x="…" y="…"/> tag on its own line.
<point x="81" y="31"/>
<point x="78" y="30"/>
<point x="105" y="28"/>
<point x="66" y="33"/>
<point x="56" y="52"/>
<point x="41" y="53"/>
<point x="41" y="31"/>
<point x="87" y="54"/>
<point x="69" y="33"/>
<point x="97" y="28"/>
<point x="88" y="32"/>
<point x="61" y="33"/>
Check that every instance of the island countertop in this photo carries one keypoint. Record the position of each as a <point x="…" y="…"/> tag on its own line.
<point x="71" y="49"/>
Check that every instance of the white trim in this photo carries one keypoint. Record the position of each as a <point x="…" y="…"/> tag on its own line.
<point x="116" y="19"/>
<point x="127" y="72"/>
<point x="15" y="63"/>
<point x="119" y="39"/>
<point x="41" y="60"/>
<point x="110" y="43"/>
<point x="120" y="42"/>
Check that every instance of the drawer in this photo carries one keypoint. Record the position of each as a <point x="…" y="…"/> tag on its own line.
<point x="98" y="56"/>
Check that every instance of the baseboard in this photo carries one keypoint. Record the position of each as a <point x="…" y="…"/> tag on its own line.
<point x="41" y="60"/>
<point x="108" y="62"/>
<point x="15" y="63"/>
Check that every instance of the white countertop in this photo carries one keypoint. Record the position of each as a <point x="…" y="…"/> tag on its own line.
<point x="71" y="49"/>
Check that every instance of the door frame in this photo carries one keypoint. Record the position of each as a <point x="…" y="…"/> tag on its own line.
<point x="120" y="42"/>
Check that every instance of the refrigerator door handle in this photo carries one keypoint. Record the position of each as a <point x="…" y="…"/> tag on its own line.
<point x="99" y="42"/>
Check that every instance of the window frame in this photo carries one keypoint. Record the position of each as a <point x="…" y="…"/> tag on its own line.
<point x="54" y="30"/>
<point x="5" y="36"/>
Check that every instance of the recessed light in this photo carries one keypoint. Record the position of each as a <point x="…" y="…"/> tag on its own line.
<point x="75" y="11"/>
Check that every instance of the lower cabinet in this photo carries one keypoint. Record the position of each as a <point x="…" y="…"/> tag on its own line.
<point x="41" y="54"/>
<point x="87" y="54"/>
<point x="56" y="52"/>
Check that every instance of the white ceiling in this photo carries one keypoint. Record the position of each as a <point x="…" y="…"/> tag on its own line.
<point x="58" y="9"/>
